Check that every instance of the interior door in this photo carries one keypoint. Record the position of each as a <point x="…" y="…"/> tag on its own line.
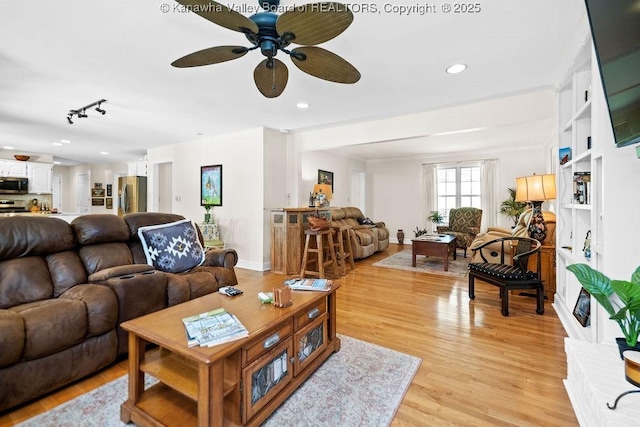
<point x="83" y="201"/>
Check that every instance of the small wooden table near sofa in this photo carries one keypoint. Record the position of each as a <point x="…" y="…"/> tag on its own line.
<point x="434" y="245"/>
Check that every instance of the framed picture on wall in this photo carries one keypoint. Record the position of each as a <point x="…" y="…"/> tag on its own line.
<point x="582" y="310"/>
<point x="97" y="201"/>
<point x="211" y="185"/>
<point x="109" y="204"/>
<point x="97" y="192"/>
<point x="109" y="190"/>
<point x="325" y="177"/>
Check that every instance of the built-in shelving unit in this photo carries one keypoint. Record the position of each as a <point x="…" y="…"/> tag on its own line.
<point x="578" y="194"/>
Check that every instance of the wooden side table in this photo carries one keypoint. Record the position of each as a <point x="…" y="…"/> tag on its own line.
<point x="547" y="269"/>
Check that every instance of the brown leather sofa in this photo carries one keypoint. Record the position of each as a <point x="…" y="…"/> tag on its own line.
<point x="367" y="237"/>
<point x="65" y="289"/>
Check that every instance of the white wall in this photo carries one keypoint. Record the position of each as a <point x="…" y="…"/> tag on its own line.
<point x="242" y="157"/>
<point x="341" y="167"/>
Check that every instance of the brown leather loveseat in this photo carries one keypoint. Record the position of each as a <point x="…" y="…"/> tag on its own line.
<point x="65" y="289"/>
<point x="367" y="237"/>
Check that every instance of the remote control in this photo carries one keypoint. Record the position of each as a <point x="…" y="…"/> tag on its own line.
<point x="230" y="291"/>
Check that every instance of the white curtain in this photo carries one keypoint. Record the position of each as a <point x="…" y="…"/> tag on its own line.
<point x="429" y="190"/>
<point x="489" y="191"/>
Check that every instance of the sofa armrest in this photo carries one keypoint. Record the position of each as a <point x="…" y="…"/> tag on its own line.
<point x="380" y="224"/>
<point x="120" y="270"/>
<point x="101" y="303"/>
<point x="220" y="258"/>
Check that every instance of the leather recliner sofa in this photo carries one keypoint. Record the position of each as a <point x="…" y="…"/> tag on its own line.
<point x="65" y="289"/>
<point x="367" y="237"/>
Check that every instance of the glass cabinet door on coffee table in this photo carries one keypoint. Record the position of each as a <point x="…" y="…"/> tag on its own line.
<point x="265" y="377"/>
<point x="309" y="342"/>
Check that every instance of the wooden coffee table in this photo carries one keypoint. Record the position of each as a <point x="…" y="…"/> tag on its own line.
<point x="440" y="245"/>
<point x="237" y="383"/>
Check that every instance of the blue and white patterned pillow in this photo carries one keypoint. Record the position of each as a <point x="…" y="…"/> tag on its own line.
<point x="172" y="247"/>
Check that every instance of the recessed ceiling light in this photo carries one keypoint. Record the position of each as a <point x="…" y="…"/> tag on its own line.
<point x="104" y="153"/>
<point x="55" y="162"/>
<point x="6" y="147"/>
<point x="59" y="144"/>
<point x="65" y="141"/>
<point x="456" y="68"/>
<point x="302" y="105"/>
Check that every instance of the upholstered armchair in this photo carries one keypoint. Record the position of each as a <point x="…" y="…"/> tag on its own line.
<point x="494" y="252"/>
<point x="464" y="225"/>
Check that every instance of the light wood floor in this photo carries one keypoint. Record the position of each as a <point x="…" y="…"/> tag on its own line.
<point x="478" y="368"/>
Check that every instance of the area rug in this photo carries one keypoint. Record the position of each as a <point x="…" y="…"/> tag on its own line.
<point x="361" y="385"/>
<point x="424" y="264"/>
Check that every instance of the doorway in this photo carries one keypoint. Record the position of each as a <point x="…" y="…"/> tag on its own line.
<point x="83" y="201"/>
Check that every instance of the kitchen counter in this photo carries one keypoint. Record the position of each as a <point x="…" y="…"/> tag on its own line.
<point x="68" y="217"/>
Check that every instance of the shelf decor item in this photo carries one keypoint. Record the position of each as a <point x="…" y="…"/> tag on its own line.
<point x="619" y="298"/>
<point x="536" y="189"/>
<point x="400" y="236"/>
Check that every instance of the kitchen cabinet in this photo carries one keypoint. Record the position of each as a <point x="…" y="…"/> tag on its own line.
<point x="13" y="168"/>
<point x="40" y="177"/>
<point x="138" y="168"/>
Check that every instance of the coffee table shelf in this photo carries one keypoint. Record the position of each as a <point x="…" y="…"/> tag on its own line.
<point x="177" y="372"/>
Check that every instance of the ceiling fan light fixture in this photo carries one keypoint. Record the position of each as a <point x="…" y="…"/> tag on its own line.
<point x="456" y="68"/>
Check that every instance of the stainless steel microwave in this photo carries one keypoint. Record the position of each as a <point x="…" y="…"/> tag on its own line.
<point x="11" y="185"/>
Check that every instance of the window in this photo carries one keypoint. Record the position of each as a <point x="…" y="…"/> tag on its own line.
<point x="457" y="187"/>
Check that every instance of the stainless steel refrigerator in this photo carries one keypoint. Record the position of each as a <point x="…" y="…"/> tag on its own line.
<point x="132" y="194"/>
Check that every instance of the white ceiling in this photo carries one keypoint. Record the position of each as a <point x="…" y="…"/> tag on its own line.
<point x="65" y="54"/>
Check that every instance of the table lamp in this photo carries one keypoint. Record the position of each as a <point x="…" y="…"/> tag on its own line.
<point x="326" y="190"/>
<point x="536" y="189"/>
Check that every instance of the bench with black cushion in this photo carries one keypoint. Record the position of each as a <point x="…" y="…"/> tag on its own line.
<point x="510" y="277"/>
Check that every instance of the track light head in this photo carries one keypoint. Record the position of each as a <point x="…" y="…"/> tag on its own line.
<point x="100" y="110"/>
<point x="69" y="119"/>
<point x="82" y="114"/>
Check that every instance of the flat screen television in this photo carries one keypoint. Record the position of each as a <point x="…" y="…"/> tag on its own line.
<point x="615" y="27"/>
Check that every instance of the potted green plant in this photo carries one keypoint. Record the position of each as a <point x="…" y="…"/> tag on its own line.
<point x="619" y="298"/>
<point x="512" y="209"/>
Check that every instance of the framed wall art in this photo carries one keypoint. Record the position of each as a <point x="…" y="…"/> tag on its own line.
<point x="97" y="192"/>
<point x="97" y="201"/>
<point x="109" y="204"/>
<point x="109" y="190"/>
<point x="211" y="185"/>
<point x="582" y="310"/>
<point x="325" y="177"/>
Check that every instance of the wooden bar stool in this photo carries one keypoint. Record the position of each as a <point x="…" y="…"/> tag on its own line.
<point x="343" y="248"/>
<point x="320" y="246"/>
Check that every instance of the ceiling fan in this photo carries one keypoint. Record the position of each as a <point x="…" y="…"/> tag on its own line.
<point x="306" y="25"/>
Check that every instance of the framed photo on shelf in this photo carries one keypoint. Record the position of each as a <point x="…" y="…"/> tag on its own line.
<point x="97" y="192"/>
<point x="97" y="201"/>
<point x="565" y="155"/>
<point x="325" y="177"/>
<point x="582" y="310"/>
<point x="211" y="185"/>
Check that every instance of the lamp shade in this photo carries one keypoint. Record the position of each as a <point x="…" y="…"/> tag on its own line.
<point x="535" y="188"/>
<point x="325" y="189"/>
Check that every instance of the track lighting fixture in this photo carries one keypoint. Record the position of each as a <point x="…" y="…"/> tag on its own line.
<point x="81" y="112"/>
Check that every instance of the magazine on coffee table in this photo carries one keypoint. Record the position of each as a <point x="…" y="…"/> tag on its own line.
<point x="322" y="285"/>
<point x="213" y="328"/>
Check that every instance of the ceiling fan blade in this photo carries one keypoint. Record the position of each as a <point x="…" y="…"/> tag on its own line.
<point x="325" y="65"/>
<point x="314" y="23"/>
<point x="221" y="15"/>
<point x="212" y="55"/>
<point x="271" y="81"/>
